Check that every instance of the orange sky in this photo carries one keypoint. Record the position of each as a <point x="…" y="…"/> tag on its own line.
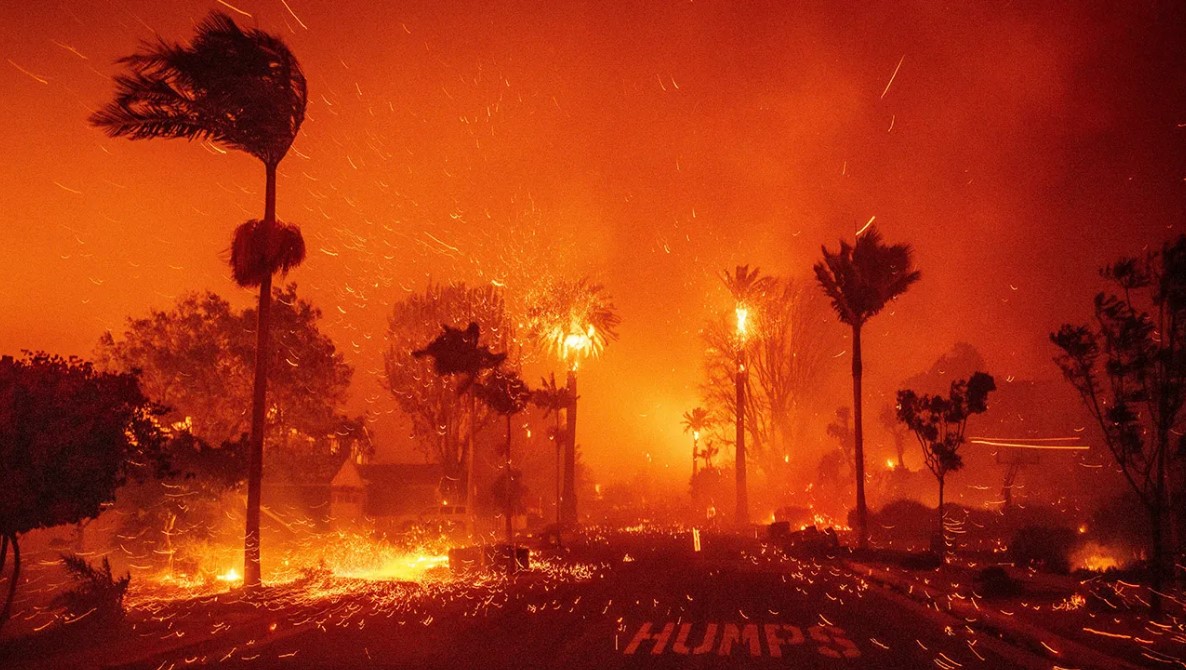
<point x="650" y="144"/>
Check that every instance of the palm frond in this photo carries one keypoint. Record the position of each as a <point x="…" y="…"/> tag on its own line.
<point x="242" y="89"/>
<point x="746" y="285"/>
<point x="260" y="249"/>
<point x="860" y="279"/>
<point x="573" y="317"/>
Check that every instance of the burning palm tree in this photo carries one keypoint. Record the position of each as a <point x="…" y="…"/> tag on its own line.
<point x="574" y="320"/>
<point x="746" y="287"/>
<point x="695" y="422"/>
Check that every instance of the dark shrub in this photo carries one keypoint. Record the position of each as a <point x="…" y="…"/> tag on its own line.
<point x="1048" y="547"/>
<point x="97" y="593"/>
<point x="995" y="582"/>
<point x="902" y="520"/>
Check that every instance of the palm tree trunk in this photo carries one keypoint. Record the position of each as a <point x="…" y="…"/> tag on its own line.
<point x="255" y="458"/>
<point x="694" y="458"/>
<point x="858" y="435"/>
<point x="469" y="462"/>
<point x="509" y="495"/>
<point x="559" y="448"/>
<point x="569" y="498"/>
<point x="16" y="576"/>
<point x="742" y="498"/>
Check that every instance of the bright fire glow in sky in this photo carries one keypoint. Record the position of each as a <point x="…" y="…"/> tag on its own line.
<point x="1017" y="149"/>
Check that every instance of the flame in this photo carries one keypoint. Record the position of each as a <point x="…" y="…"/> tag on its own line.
<point x="577" y="344"/>
<point x="742" y="317"/>
<point x="231" y="575"/>
<point x="1099" y="558"/>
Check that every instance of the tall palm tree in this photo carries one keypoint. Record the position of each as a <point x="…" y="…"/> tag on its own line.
<point x="747" y="287"/>
<point x="695" y="422"/>
<point x="505" y="392"/>
<point x="575" y="320"/>
<point x="244" y="90"/>
<point x="553" y="398"/>
<point x="860" y="279"/>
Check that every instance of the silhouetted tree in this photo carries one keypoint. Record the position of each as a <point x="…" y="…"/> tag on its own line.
<point x="708" y="453"/>
<point x="245" y="90"/>
<point x="939" y="423"/>
<point x="1130" y="369"/>
<point x="889" y="421"/>
<point x="573" y="320"/>
<point x="553" y="398"/>
<point x="784" y="354"/>
<point x="69" y="437"/>
<point x="441" y="422"/>
<point x="859" y="280"/>
<point x="840" y="430"/>
<point x="959" y="362"/>
<point x="507" y="394"/>
<point x="696" y="421"/>
<point x="197" y="356"/>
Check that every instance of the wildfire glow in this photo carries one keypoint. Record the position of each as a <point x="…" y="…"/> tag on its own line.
<point x="578" y="344"/>
<point x="742" y="317"/>
<point x="231" y="575"/>
<point x="402" y="568"/>
<point x="1098" y="558"/>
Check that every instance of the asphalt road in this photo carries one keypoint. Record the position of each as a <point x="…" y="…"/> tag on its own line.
<point x="652" y="603"/>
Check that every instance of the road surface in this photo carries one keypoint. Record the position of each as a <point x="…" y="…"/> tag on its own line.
<point x="651" y="602"/>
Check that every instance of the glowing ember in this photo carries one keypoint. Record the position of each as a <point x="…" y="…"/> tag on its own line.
<point x="405" y="568"/>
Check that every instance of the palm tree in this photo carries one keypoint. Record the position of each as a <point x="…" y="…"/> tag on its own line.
<point x="695" y="422"/>
<point x="575" y="320"/>
<point x="860" y="279"/>
<point x="553" y="398"/>
<point x="708" y="453"/>
<point x="244" y="90"/>
<point x="505" y="392"/>
<point x="746" y="286"/>
<point x="457" y="352"/>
